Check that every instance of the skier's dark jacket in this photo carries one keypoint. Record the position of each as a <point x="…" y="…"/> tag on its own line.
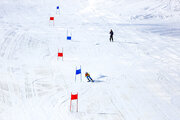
<point x="111" y="33"/>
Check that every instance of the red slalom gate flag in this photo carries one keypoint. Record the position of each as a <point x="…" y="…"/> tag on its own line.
<point x="60" y="54"/>
<point x="74" y="97"/>
<point x="51" y="18"/>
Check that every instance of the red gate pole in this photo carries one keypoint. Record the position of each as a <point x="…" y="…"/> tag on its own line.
<point x="77" y="102"/>
<point x="70" y="102"/>
<point x="57" y="55"/>
<point x="63" y="54"/>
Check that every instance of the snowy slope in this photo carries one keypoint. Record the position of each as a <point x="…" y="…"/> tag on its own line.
<point x="136" y="77"/>
<point x="135" y="11"/>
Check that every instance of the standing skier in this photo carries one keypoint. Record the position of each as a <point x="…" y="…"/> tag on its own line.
<point x="87" y="75"/>
<point x="111" y="35"/>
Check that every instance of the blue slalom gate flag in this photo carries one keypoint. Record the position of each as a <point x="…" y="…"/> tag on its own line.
<point x="58" y="7"/>
<point x="68" y="37"/>
<point x="78" y="71"/>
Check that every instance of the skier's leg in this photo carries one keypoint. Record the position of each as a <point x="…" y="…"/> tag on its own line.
<point x="88" y="78"/>
<point x="111" y="38"/>
<point x="91" y="79"/>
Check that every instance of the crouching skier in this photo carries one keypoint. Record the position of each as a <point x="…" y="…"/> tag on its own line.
<point x="87" y="75"/>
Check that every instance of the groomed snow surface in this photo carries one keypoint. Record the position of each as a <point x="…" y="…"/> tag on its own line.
<point x="137" y="77"/>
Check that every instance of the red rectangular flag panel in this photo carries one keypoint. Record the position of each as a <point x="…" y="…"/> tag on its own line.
<point x="74" y="97"/>
<point x="51" y="18"/>
<point x="60" y="54"/>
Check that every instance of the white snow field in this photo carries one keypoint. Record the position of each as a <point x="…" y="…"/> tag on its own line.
<point x="137" y="77"/>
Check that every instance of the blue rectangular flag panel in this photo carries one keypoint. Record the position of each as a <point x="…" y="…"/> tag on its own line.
<point x="68" y="37"/>
<point x="78" y="71"/>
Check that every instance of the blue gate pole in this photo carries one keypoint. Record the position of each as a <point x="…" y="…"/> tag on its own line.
<point x="71" y="35"/>
<point x="81" y="73"/>
<point x="75" y="74"/>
